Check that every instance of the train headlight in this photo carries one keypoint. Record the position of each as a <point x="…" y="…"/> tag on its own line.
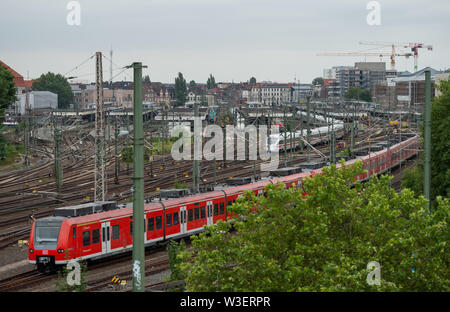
<point x="60" y="251"/>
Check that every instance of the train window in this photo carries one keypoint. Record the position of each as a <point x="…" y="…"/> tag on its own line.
<point x="131" y="228"/>
<point x="190" y="215"/>
<point x="145" y="229"/>
<point x="202" y="212"/>
<point x="196" y="213"/>
<point x="175" y="218"/>
<point x="222" y="208"/>
<point x="216" y="209"/>
<point x="115" y="232"/>
<point x="95" y="236"/>
<point x="151" y="224"/>
<point x="169" y="219"/>
<point x="74" y="232"/>
<point x="86" y="238"/>
<point x="158" y="222"/>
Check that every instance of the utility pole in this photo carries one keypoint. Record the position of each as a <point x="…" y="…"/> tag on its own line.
<point x="138" y="268"/>
<point x="195" y="169"/>
<point x="427" y="143"/>
<point x="285" y="136"/>
<point x="116" y="152"/>
<point x="27" y="129"/>
<point x="100" y="172"/>
<point x="308" y="131"/>
<point x="58" y="166"/>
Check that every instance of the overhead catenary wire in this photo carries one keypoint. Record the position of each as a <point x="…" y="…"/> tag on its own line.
<point x="79" y="65"/>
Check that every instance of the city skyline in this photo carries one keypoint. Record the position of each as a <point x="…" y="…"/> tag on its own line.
<point x="233" y="40"/>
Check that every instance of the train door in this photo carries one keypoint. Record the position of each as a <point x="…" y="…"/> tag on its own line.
<point x="183" y="220"/>
<point x="106" y="237"/>
<point x="209" y="212"/>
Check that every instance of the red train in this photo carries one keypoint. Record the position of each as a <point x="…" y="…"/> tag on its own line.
<point x="56" y="240"/>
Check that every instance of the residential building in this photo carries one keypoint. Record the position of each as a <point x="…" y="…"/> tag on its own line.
<point x="377" y="72"/>
<point x="84" y="97"/>
<point x="271" y="93"/>
<point x="347" y="77"/>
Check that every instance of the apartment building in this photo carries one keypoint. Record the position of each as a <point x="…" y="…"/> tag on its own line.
<point x="271" y="93"/>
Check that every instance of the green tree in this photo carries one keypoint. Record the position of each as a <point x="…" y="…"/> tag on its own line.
<point x="7" y="97"/>
<point x="211" y="82"/>
<point x="173" y="249"/>
<point x="146" y="79"/>
<point x="7" y="89"/>
<point x="252" y="80"/>
<point x="356" y="93"/>
<point x="192" y="84"/>
<point x="440" y="149"/>
<point x="180" y="90"/>
<point x="324" y="241"/>
<point x="55" y="83"/>
<point x="317" y="81"/>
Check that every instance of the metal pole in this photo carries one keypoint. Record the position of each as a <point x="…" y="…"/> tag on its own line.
<point x="138" y="184"/>
<point x="195" y="171"/>
<point x="214" y="179"/>
<point x="285" y="136"/>
<point x="27" y="129"/>
<point x="100" y="170"/>
<point x="58" y="167"/>
<point x="427" y="141"/>
<point x="116" y="152"/>
<point x="308" y="131"/>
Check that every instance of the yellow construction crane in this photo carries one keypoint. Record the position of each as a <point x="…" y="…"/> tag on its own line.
<point x="380" y="55"/>
<point x="414" y="46"/>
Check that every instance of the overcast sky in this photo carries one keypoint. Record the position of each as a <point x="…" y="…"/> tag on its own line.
<point x="274" y="40"/>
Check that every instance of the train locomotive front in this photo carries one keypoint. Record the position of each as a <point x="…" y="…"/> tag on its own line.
<point x="48" y="243"/>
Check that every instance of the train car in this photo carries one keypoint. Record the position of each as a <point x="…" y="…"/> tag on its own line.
<point x="317" y="136"/>
<point x="56" y="240"/>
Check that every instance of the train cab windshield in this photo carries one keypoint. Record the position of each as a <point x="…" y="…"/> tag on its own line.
<point x="46" y="232"/>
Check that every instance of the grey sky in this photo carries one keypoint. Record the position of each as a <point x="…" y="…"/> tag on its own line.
<point x="232" y="39"/>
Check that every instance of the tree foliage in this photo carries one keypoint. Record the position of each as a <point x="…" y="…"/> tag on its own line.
<point x="211" y="82"/>
<point x="324" y="241"/>
<point x="440" y="142"/>
<point x="7" y="89"/>
<point x="180" y="90"/>
<point x="317" y="81"/>
<point x="252" y="80"/>
<point x="55" y="83"/>
<point x="146" y="79"/>
<point x="356" y="93"/>
<point x="440" y="149"/>
<point x="7" y="97"/>
<point x="192" y="84"/>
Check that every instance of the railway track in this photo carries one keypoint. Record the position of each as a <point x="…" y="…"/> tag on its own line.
<point x="157" y="175"/>
<point x="23" y="280"/>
